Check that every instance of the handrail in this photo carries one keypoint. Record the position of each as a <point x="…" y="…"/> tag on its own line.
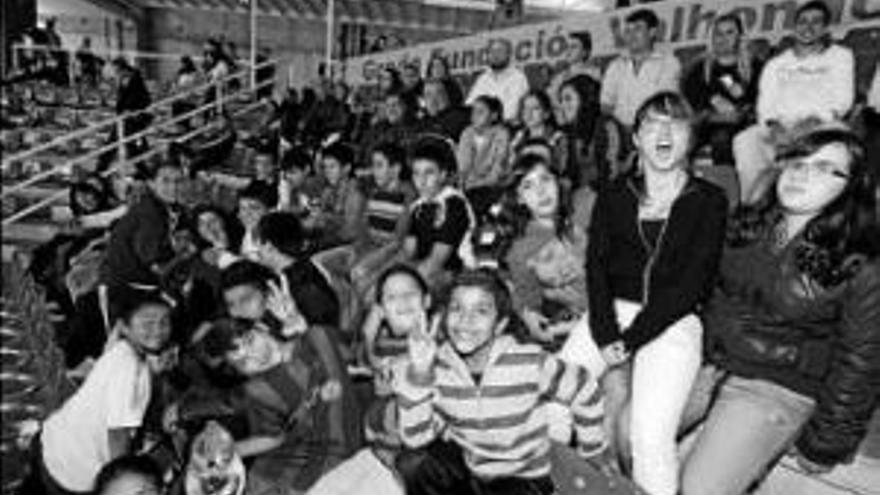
<point x="113" y="121"/>
<point x="220" y="101"/>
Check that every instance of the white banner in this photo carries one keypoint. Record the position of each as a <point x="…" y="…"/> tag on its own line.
<point x="684" y="24"/>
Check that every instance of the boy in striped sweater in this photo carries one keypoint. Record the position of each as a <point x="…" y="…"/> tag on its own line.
<point x="469" y="407"/>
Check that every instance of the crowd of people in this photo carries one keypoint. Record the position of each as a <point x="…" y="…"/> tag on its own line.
<point x="433" y="298"/>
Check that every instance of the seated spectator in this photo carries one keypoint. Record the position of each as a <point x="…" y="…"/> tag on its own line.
<point x="577" y="62"/>
<point x="441" y="218"/>
<point x="296" y="184"/>
<point x="722" y="86"/>
<point x="655" y="240"/>
<point x="812" y="79"/>
<point x="389" y="81"/>
<point x="589" y="156"/>
<point x="398" y="116"/>
<point x="265" y="166"/>
<point x="401" y="306"/>
<point x="290" y="398"/>
<point x="254" y="202"/>
<point x="482" y="153"/>
<point x="501" y="79"/>
<point x="547" y="256"/>
<point x="794" y="325"/>
<point x="128" y="475"/>
<point x="279" y="238"/>
<point x="536" y="116"/>
<point x="440" y="116"/>
<point x="98" y="423"/>
<point x="413" y="85"/>
<point x="639" y="73"/>
<point x="476" y="446"/>
<point x="438" y="70"/>
<point x="339" y="216"/>
<point x="388" y="199"/>
<point x="139" y="249"/>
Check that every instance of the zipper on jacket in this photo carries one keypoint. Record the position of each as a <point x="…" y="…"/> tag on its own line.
<point x="652" y="256"/>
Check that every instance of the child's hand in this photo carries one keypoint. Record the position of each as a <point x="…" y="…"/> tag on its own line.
<point x="423" y="345"/>
<point x="331" y="391"/>
<point x="537" y="325"/>
<point x="615" y="354"/>
<point x="281" y="304"/>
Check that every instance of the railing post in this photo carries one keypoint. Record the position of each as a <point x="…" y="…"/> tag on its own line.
<point x="220" y="96"/>
<point x="120" y="139"/>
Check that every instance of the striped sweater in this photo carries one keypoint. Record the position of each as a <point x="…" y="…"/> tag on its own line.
<point x="499" y="423"/>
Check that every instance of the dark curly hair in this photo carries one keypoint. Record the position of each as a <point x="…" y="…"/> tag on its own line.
<point x="843" y="235"/>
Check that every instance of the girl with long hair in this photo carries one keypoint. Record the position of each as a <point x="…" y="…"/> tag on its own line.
<point x="584" y="163"/>
<point x="723" y="87"/>
<point x="547" y="255"/>
<point x="536" y="116"/>
<point x="793" y="328"/>
<point x="655" y="240"/>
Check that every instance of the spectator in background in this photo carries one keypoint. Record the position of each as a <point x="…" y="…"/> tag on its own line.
<point x="388" y="197"/>
<point x="441" y="218"/>
<point x="440" y="116"/>
<point x="294" y="189"/>
<point x="722" y="86"/>
<point x="89" y="63"/>
<point x="815" y="78"/>
<point x="577" y="62"/>
<point x="338" y="218"/>
<point x="140" y="242"/>
<point x="482" y="153"/>
<point x="413" y="86"/>
<point x="501" y="80"/>
<point x="536" y="116"/>
<point x="586" y="161"/>
<point x="389" y="81"/>
<point x="438" y="70"/>
<point x="640" y="72"/>
<point x="395" y="125"/>
<point x="187" y="78"/>
<point x="131" y="98"/>
<point x="254" y="202"/>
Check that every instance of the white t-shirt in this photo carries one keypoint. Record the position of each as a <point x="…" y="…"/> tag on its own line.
<point x="624" y="89"/>
<point x="509" y="86"/>
<point x="115" y="395"/>
<point x="820" y="85"/>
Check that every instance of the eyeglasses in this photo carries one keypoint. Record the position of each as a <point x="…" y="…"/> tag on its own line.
<point x="816" y="168"/>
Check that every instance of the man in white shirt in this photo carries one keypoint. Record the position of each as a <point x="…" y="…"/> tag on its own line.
<point x="501" y="80"/>
<point x="814" y="79"/>
<point x="641" y="72"/>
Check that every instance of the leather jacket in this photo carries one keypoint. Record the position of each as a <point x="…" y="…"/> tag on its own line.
<point x="767" y="320"/>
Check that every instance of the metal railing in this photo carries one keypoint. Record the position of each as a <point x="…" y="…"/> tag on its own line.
<point x="218" y="106"/>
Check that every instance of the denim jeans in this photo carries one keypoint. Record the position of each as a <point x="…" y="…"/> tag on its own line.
<point x="751" y="423"/>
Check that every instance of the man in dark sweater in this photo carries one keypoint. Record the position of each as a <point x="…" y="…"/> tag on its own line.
<point x="279" y="238"/>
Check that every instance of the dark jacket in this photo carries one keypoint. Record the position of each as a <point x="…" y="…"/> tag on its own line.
<point x="766" y="320"/>
<point x="139" y="240"/>
<point x="450" y="123"/>
<point x="671" y="282"/>
<point x="312" y="293"/>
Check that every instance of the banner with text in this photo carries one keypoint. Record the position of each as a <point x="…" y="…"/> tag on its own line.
<point x="684" y="25"/>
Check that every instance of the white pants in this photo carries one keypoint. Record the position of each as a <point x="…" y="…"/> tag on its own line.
<point x="663" y="373"/>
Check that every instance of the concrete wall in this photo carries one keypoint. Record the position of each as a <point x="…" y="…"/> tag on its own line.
<point x="77" y="19"/>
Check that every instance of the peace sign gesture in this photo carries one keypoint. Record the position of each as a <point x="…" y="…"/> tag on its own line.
<point x="422" y="344"/>
<point x="281" y="304"/>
